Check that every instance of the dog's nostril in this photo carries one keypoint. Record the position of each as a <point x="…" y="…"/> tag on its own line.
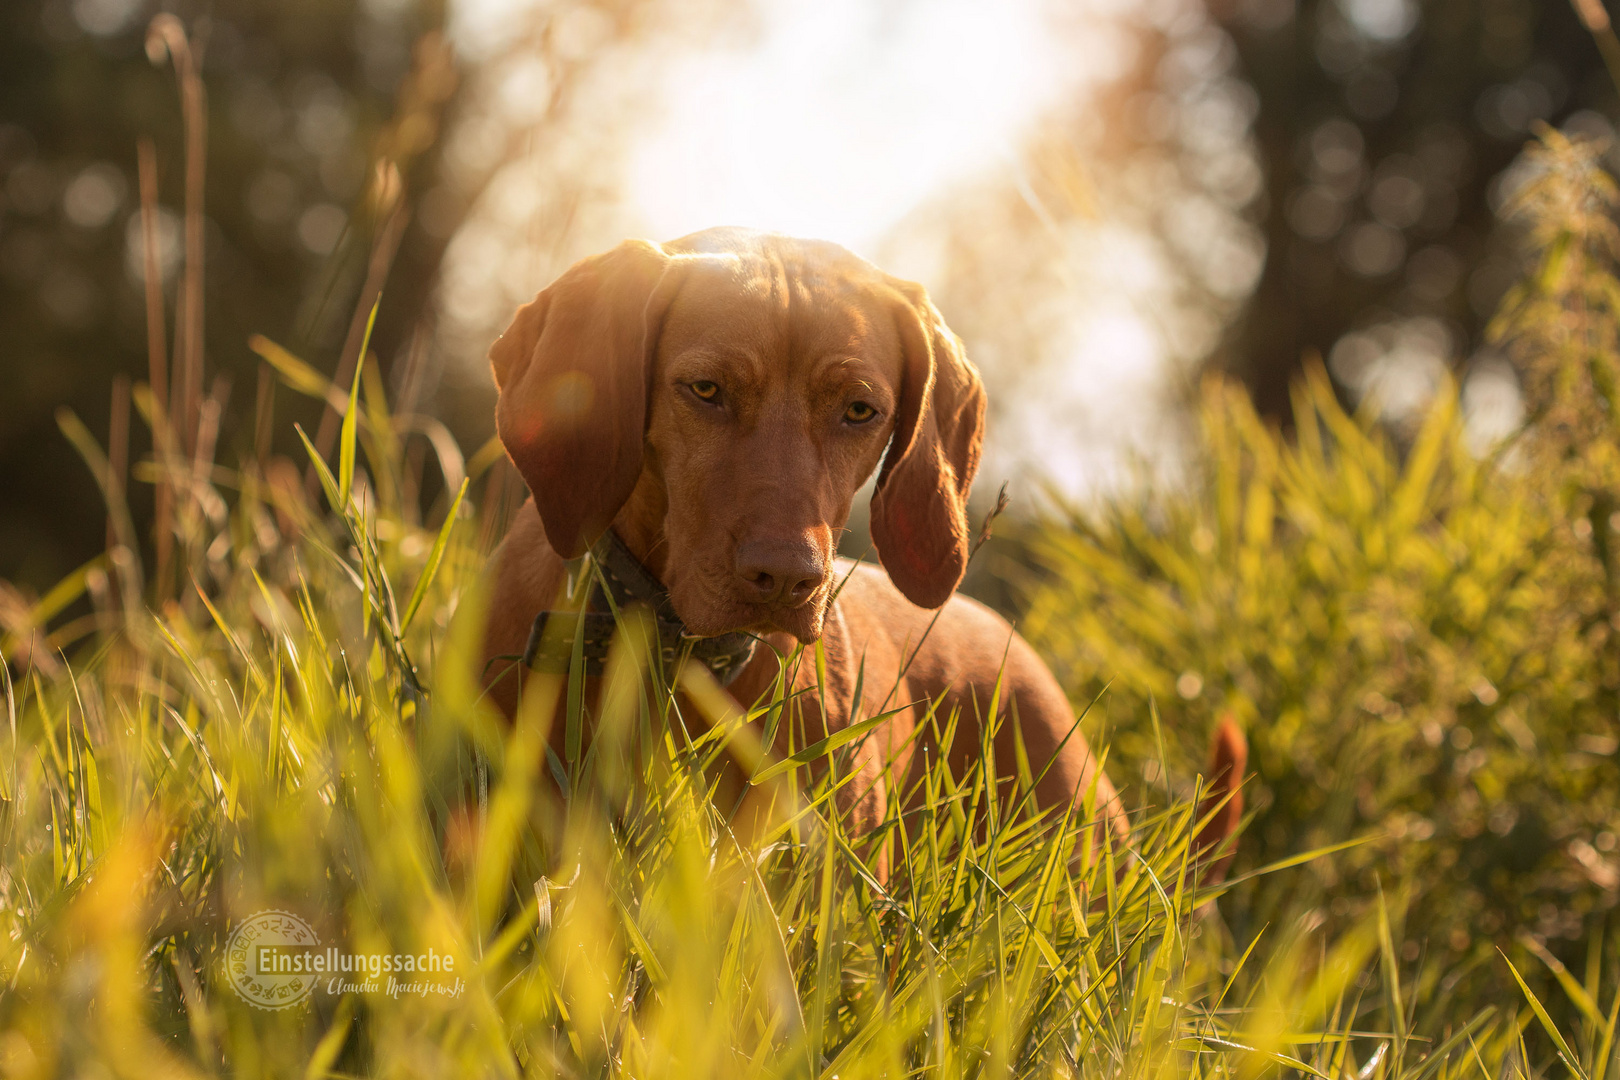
<point x="800" y="591"/>
<point x="783" y="574"/>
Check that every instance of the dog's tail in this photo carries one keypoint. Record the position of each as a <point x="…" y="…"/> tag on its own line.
<point x="1221" y="808"/>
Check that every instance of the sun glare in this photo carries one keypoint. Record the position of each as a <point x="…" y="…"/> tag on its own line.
<point x="842" y="117"/>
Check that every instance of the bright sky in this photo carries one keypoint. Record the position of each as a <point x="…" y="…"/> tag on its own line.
<point x="845" y="115"/>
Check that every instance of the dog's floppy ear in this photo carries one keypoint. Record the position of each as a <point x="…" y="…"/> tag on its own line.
<point x="573" y="370"/>
<point x="919" y="512"/>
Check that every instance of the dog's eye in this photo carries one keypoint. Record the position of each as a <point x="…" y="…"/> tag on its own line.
<point x="859" y="413"/>
<point x="704" y="389"/>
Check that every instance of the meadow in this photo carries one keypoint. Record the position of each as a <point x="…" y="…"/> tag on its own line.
<point x="279" y="710"/>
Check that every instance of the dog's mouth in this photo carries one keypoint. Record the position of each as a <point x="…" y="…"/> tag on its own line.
<point x="803" y="622"/>
<point x="711" y="616"/>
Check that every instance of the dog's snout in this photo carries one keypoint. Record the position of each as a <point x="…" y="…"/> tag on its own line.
<point x="780" y="573"/>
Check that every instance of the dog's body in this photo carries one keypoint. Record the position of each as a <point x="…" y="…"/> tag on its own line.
<point x="899" y="652"/>
<point x="718" y="401"/>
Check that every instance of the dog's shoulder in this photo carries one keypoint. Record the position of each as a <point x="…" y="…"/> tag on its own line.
<point x="874" y="610"/>
<point x="522" y="578"/>
<point x="866" y="584"/>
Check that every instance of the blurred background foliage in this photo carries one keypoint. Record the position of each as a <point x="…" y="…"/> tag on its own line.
<point x="300" y="97"/>
<point x="1388" y="131"/>
<point x="1423" y="646"/>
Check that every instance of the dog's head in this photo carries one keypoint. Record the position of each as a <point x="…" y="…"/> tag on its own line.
<point x="737" y="388"/>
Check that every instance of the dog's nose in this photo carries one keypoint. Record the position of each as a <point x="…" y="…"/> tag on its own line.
<point x="781" y="573"/>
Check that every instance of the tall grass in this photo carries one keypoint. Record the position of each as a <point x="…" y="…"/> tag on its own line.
<point x="297" y="735"/>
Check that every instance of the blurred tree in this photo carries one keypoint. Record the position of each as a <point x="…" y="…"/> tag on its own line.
<point x="301" y="95"/>
<point x="1385" y="127"/>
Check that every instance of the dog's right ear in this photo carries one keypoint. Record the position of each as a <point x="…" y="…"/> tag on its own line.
<point x="573" y="370"/>
<point x="919" y="509"/>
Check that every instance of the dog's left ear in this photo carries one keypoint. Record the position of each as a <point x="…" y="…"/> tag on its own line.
<point x="919" y="512"/>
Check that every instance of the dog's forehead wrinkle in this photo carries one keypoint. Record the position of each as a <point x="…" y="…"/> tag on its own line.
<point x="735" y="365"/>
<point x="838" y="372"/>
<point x="829" y="314"/>
<point x="763" y="278"/>
<point x="783" y="419"/>
<point x="773" y="302"/>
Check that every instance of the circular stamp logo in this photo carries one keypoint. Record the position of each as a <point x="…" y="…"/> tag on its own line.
<point x="268" y="959"/>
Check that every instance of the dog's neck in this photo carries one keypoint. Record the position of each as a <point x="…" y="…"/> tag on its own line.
<point x="640" y="524"/>
<point x="560" y="641"/>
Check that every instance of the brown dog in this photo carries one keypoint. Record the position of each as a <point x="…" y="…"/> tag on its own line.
<point x="717" y="402"/>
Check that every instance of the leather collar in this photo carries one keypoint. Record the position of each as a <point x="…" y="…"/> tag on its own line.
<point x="628" y="583"/>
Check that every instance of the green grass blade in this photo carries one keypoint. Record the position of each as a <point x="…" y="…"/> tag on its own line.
<point x="1392" y="977"/>
<point x="331" y="1044"/>
<point x="1437" y="1057"/>
<point x="1570" y="1060"/>
<point x="1576" y="992"/>
<point x="435" y="557"/>
<point x="822" y="747"/>
<point x="293" y="371"/>
<point x="334" y="497"/>
<point x="1600" y="1065"/>
<point x="351" y="414"/>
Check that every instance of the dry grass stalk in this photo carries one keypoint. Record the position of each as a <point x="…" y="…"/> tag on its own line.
<point x="166" y="35"/>
<point x="158" y="366"/>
